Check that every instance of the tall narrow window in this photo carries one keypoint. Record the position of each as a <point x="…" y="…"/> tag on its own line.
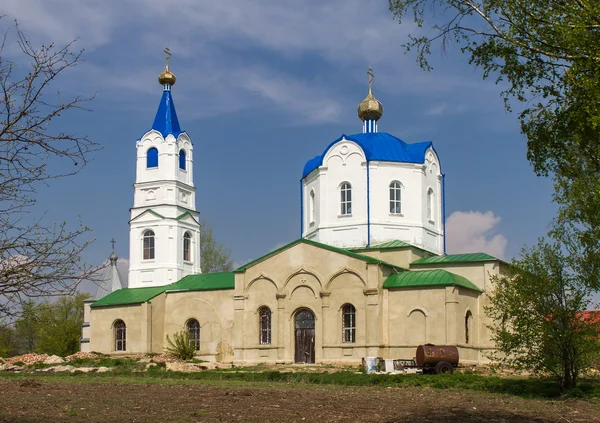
<point x="468" y="324"/>
<point x="346" y="198"/>
<point x="182" y="159"/>
<point x="187" y="241"/>
<point x="148" y="245"/>
<point x="311" y="206"/>
<point x="264" y="316"/>
<point x="348" y="324"/>
<point x="395" y="197"/>
<point x="193" y="329"/>
<point x="152" y="157"/>
<point x="120" y="336"/>
<point x="430" y="204"/>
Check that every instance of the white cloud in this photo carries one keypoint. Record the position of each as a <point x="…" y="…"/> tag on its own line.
<point x="472" y="232"/>
<point x="436" y="110"/>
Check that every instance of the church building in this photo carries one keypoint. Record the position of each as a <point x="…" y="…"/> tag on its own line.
<point x="369" y="277"/>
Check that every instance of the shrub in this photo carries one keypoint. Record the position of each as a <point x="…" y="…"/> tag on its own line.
<point x="180" y="346"/>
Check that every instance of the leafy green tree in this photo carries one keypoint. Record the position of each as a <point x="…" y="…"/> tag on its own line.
<point x="215" y="257"/>
<point x="59" y="327"/>
<point x="537" y="313"/>
<point x="547" y="53"/>
<point x="27" y="326"/>
<point x="8" y="341"/>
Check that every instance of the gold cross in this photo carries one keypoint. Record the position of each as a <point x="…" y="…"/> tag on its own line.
<point x="167" y="55"/>
<point x="371" y="77"/>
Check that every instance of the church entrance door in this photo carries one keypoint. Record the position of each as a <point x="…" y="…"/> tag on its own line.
<point x="305" y="336"/>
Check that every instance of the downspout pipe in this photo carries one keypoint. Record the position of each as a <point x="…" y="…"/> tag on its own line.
<point x="368" y="206"/>
<point x="302" y="210"/>
<point x="444" y="209"/>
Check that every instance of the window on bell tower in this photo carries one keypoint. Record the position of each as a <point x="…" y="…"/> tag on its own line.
<point x="395" y="198"/>
<point x="148" y="245"/>
<point x="187" y="241"/>
<point x="430" y="205"/>
<point x="346" y="198"/>
<point x="182" y="162"/>
<point x="152" y="158"/>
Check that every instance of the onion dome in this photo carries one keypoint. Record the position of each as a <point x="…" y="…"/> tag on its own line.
<point x="167" y="77"/>
<point x="370" y="108"/>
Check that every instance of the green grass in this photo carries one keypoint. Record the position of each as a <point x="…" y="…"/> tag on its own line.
<point x="523" y="387"/>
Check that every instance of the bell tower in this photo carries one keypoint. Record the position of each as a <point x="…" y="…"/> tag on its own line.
<point x="164" y="232"/>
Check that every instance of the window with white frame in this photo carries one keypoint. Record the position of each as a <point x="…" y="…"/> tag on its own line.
<point x="346" y="198"/>
<point x="348" y="324"/>
<point x="187" y="242"/>
<point x="148" y="245"/>
<point x="311" y="206"/>
<point x="120" y="335"/>
<point x="264" y="323"/>
<point x="395" y="197"/>
<point x="430" y="205"/>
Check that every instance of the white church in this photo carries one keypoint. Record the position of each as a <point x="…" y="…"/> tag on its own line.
<point x="369" y="277"/>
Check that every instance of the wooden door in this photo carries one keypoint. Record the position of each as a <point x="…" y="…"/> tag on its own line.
<point x="305" y="337"/>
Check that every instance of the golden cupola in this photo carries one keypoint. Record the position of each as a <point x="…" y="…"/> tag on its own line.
<point x="167" y="77"/>
<point x="370" y="108"/>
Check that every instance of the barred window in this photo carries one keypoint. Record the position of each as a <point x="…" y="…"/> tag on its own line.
<point x="187" y="241"/>
<point x="348" y="324"/>
<point x="148" y="245"/>
<point x="264" y="315"/>
<point x="193" y="328"/>
<point x="120" y="336"/>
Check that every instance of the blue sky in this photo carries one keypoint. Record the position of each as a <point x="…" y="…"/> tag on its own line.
<point x="263" y="86"/>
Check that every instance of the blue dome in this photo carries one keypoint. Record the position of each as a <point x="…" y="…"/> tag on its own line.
<point x="378" y="146"/>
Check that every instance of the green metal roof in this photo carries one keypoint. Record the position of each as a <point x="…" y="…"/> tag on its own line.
<point x="200" y="282"/>
<point x="389" y="245"/>
<point x="129" y="296"/>
<point x="455" y="258"/>
<point x="204" y="282"/>
<point x="427" y="278"/>
<point x="324" y="246"/>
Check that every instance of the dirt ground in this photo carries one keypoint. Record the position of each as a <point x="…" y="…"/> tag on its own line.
<point x="36" y="400"/>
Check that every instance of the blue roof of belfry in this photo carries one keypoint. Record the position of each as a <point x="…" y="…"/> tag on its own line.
<point x="166" y="121"/>
<point x="378" y="146"/>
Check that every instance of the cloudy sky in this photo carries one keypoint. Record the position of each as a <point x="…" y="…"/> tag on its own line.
<point x="263" y="86"/>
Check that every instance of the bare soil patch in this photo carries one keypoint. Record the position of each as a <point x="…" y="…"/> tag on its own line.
<point x="39" y="400"/>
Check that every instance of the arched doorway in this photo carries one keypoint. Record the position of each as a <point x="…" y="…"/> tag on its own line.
<point x="304" y="324"/>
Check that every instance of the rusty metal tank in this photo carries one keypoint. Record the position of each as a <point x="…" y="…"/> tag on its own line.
<point x="430" y="355"/>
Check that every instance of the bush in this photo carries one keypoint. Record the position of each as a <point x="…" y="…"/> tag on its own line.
<point x="180" y="346"/>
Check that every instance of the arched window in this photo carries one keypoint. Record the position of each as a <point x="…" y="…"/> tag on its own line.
<point x="193" y="329"/>
<point x="395" y="197"/>
<point x="468" y="324"/>
<point x="182" y="159"/>
<point x="187" y="242"/>
<point x="152" y="157"/>
<point x="264" y="323"/>
<point x="120" y="335"/>
<point x="311" y="205"/>
<point x="148" y="245"/>
<point x="348" y="324"/>
<point x="430" y="204"/>
<point x="346" y="198"/>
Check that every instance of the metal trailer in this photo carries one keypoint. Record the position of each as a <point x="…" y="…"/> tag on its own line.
<point x="429" y="359"/>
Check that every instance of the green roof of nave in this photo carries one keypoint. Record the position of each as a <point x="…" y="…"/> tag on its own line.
<point x="200" y="282"/>
<point x="343" y="251"/>
<point x="428" y="279"/>
<point x="455" y="258"/>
